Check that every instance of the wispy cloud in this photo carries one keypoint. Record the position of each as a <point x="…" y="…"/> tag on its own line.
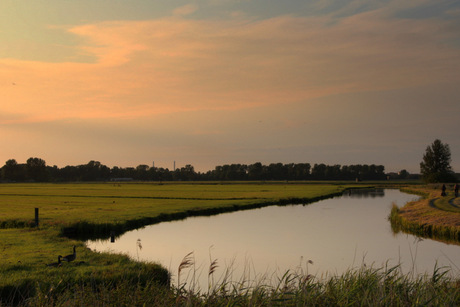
<point x="185" y="10"/>
<point x="175" y="64"/>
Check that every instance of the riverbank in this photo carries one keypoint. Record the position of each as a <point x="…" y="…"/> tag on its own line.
<point x="107" y="279"/>
<point x="433" y="216"/>
<point x="99" y="209"/>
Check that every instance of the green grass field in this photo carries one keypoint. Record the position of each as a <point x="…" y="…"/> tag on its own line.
<point x="107" y="202"/>
<point x="25" y="250"/>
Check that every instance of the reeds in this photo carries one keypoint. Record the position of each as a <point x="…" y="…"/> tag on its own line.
<point x="186" y="263"/>
<point x="385" y="286"/>
<point x="368" y="286"/>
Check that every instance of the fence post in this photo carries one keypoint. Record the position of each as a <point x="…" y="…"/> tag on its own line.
<point x="36" y="217"/>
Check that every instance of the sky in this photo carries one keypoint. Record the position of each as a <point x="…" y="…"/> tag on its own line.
<point x="214" y="82"/>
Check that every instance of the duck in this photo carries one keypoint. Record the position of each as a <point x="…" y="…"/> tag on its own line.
<point x="70" y="257"/>
<point x="55" y="264"/>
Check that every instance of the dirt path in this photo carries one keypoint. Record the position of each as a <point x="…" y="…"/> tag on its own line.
<point x="454" y="202"/>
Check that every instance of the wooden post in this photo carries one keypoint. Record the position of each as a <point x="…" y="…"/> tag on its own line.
<point x="36" y="217"/>
<point x="112" y="236"/>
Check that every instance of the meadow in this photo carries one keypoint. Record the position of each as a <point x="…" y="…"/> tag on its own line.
<point x="69" y="213"/>
<point x="99" y="209"/>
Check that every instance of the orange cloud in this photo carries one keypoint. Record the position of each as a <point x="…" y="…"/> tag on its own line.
<point x="144" y="68"/>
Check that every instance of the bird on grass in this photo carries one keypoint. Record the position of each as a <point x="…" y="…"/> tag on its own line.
<point x="55" y="264"/>
<point x="70" y="257"/>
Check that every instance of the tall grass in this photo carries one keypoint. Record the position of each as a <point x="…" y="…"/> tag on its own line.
<point x="385" y="286"/>
<point x="26" y="281"/>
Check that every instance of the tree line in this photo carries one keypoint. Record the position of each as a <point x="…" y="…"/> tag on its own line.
<point x="36" y="170"/>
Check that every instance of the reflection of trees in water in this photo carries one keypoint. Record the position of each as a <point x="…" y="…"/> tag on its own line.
<point x="364" y="193"/>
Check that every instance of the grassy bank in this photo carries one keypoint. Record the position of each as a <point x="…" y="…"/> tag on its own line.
<point x="95" y="210"/>
<point x="433" y="216"/>
<point x="26" y="253"/>
<point x="81" y="210"/>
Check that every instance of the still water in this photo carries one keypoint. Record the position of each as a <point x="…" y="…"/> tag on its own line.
<point x="325" y="238"/>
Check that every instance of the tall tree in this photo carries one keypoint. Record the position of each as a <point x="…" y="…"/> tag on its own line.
<point x="435" y="166"/>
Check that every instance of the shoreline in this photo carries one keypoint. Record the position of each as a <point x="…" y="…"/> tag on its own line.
<point x="433" y="216"/>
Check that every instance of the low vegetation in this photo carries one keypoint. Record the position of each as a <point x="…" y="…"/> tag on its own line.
<point x="81" y="210"/>
<point x="366" y="286"/>
<point x="433" y="216"/>
<point x="68" y="212"/>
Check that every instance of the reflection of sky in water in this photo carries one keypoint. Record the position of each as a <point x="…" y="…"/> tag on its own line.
<point x="335" y="234"/>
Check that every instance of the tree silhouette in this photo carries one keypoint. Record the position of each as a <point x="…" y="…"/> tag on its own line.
<point x="36" y="169"/>
<point x="435" y="166"/>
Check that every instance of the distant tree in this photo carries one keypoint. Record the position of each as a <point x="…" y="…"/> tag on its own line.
<point x="69" y="173"/>
<point x="93" y="171"/>
<point x="12" y="171"/>
<point x="36" y="169"/>
<point x="373" y="172"/>
<point x="186" y="173"/>
<point x="9" y="169"/>
<point x="403" y="174"/>
<point x="301" y="171"/>
<point x="332" y="172"/>
<point x="435" y="166"/>
<point x="53" y="173"/>
<point x="142" y="172"/>
<point x="277" y="171"/>
<point x="380" y="171"/>
<point x="318" y="171"/>
<point x="163" y="174"/>
<point x="256" y="171"/>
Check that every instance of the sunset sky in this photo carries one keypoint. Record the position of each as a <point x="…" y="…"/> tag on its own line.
<point x="213" y="82"/>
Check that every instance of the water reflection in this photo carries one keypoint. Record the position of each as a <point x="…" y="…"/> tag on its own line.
<point x="360" y="193"/>
<point x="327" y="237"/>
